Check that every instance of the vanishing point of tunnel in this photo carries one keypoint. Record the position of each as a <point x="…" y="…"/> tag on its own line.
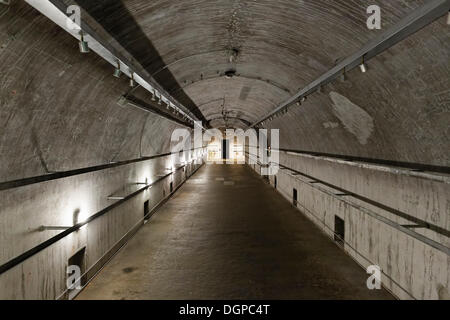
<point x="224" y="150"/>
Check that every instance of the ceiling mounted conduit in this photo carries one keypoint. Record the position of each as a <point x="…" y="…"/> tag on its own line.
<point x="268" y="82"/>
<point x="89" y="40"/>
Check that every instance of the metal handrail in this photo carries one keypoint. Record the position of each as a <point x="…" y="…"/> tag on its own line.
<point x="33" y="251"/>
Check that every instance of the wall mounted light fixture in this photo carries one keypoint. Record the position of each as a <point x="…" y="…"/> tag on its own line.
<point x="363" y="66"/>
<point x="343" y="76"/>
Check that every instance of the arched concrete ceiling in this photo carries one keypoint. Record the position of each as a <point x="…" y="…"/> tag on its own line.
<point x="59" y="108"/>
<point x="282" y="45"/>
<point x="399" y="110"/>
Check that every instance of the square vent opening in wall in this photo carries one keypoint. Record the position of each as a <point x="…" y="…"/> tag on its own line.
<point x="146" y="210"/>
<point x="339" y="230"/>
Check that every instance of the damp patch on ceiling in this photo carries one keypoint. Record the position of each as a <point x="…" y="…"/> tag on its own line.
<point x="244" y="93"/>
<point x="330" y="125"/>
<point x="354" y="118"/>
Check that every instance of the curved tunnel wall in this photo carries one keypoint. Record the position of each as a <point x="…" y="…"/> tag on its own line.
<point x="59" y="113"/>
<point x="59" y="108"/>
<point x="397" y="111"/>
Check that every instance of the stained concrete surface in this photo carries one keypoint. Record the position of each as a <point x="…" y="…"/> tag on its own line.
<point x="59" y="110"/>
<point x="217" y="240"/>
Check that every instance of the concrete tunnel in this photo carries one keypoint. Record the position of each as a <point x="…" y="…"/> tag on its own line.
<point x="216" y="149"/>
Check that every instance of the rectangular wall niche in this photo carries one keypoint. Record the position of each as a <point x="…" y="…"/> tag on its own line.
<point x="339" y="230"/>
<point x="78" y="260"/>
<point x="146" y="209"/>
<point x="294" y="197"/>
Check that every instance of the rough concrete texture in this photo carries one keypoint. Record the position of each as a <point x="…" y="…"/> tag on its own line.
<point x="283" y="46"/>
<point x="59" y="111"/>
<point x="59" y="107"/>
<point x="405" y="92"/>
<point x="413" y="269"/>
<point x="419" y="196"/>
<point x="53" y="203"/>
<point x="217" y="240"/>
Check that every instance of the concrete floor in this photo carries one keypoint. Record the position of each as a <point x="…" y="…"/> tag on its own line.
<point x="232" y="239"/>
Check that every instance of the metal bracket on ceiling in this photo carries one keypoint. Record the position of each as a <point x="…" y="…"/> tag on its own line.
<point x="56" y="10"/>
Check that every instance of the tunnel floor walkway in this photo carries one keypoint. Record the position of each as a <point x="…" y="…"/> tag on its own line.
<point x="226" y="234"/>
